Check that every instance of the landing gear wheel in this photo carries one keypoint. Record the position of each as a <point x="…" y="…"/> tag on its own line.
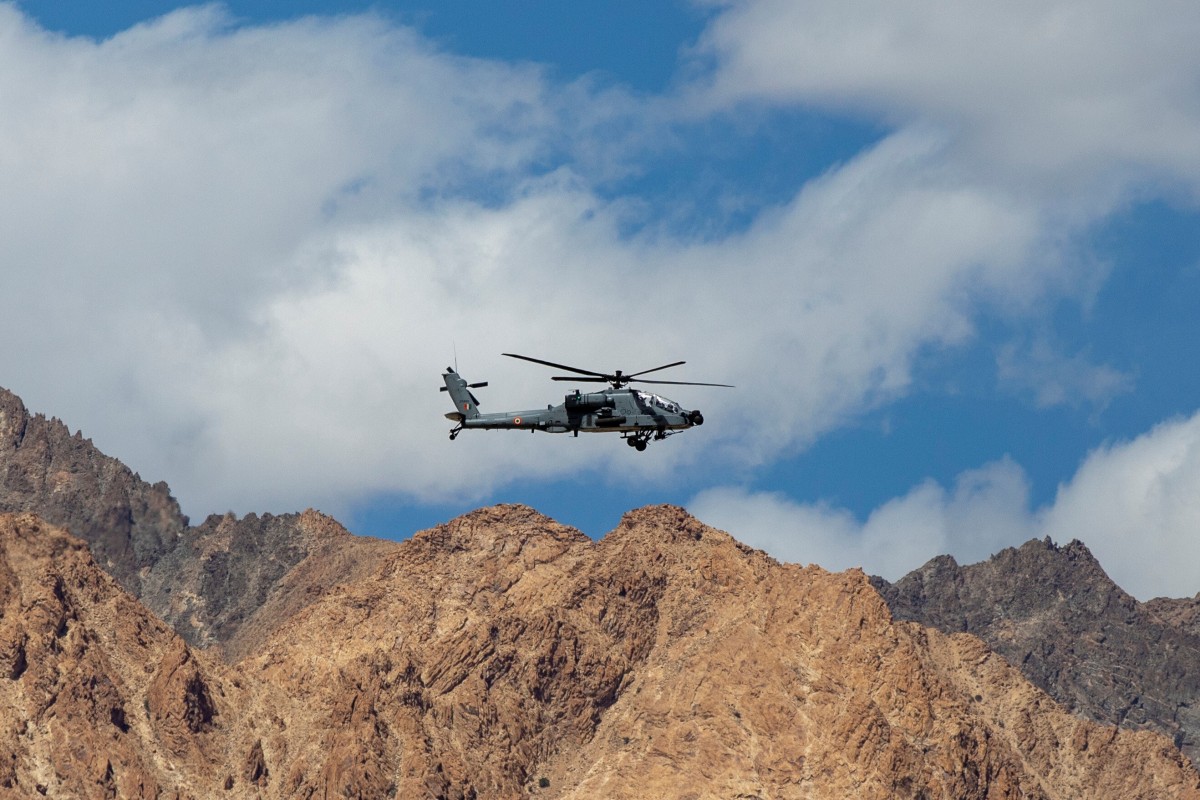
<point x="640" y="444"/>
<point x="631" y="442"/>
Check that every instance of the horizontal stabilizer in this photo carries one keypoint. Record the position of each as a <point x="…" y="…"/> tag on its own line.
<point x="455" y="416"/>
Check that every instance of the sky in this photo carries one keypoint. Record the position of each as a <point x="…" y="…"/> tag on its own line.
<point x="948" y="254"/>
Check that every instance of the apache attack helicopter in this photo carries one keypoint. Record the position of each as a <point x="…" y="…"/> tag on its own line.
<point x="638" y="416"/>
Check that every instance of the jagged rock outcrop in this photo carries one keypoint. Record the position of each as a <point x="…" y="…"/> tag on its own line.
<point x="128" y="523"/>
<point x="207" y="581"/>
<point x="222" y="573"/>
<point x="1053" y="612"/>
<point x="1182" y="613"/>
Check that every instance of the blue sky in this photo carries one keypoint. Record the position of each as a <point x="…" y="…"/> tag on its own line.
<point x="950" y="259"/>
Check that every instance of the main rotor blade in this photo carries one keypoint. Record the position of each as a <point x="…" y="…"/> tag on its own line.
<point x="685" y="383"/>
<point x="656" y="369"/>
<point x="602" y="379"/>
<point x="557" y="366"/>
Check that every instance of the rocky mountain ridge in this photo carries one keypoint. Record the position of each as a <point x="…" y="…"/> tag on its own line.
<point x="502" y="647"/>
<point x="207" y="581"/>
<point x="128" y="523"/>
<point x="1055" y="613"/>
<point x="503" y="655"/>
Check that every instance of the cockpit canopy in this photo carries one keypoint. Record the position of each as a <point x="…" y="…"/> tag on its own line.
<point x="658" y="401"/>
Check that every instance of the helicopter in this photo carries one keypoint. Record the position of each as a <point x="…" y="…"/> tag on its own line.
<point x="637" y="415"/>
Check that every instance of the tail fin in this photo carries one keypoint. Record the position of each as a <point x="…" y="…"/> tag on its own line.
<point x="467" y="407"/>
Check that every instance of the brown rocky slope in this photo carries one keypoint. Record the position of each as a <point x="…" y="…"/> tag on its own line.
<point x="667" y="660"/>
<point x="230" y="582"/>
<point x="501" y="649"/>
<point x="485" y="655"/>
<point x="98" y="697"/>
<point x="128" y="523"/>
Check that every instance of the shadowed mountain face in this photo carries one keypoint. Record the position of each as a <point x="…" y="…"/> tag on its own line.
<point x="223" y="573"/>
<point x="1181" y="613"/>
<point x="1054" y="613"/>
<point x="128" y="523"/>
<point x="206" y="581"/>
<point x="502" y="654"/>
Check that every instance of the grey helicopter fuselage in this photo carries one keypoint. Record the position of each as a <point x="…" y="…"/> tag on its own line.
<point x="638" y="415"/>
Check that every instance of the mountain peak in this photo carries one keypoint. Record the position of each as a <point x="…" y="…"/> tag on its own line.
<point x="1055" y="613"/>
<point x="494" y="529"/>
<point x="13" y="419"/>
<point x="127" y="522"/>
<point x="670" y="524"/>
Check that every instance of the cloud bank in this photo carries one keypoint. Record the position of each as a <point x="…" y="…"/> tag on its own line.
<point x="1059" y="98"/>
<point x="238" y="256"/>
<point x="1134" y="504"/>
<point x="271" y="239"/>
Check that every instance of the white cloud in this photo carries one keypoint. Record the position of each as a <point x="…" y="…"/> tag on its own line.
<point x="238" y="257"/>
<point x="1062" y="96"/>
<point x="1135" y="504"/>
<point x="233" y="221"/>
<point x="987" y="510"/>
<point x="203" y="155"/>
<point x="1055" y="379"/>
<point x="164" y="191"/>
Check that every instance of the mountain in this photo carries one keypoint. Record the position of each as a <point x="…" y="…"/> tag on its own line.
<point x="207" y="581"/>
<point x="503" y="655"/>
<point x="1055" y="614"/>
<point x="228" y="575"/>
<point x="128" y="523"/>
<point x="668" y="659"/>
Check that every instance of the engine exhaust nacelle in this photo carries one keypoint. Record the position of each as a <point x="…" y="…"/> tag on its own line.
<point x="587" y="403"/>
